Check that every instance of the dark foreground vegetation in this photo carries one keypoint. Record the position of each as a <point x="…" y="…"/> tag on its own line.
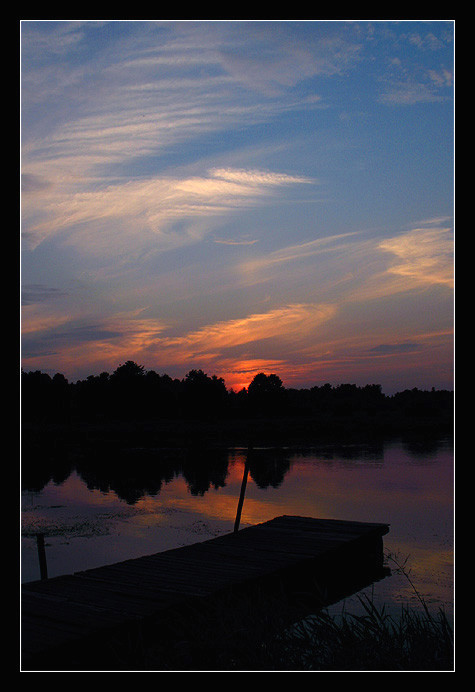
<point x="167" y="410"/>
<point x="372" y="641"/>
<point x="258" y="633"/>
<point x="275" y="630"/>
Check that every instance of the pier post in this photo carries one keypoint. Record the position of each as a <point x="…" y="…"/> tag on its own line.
<point x="243" y="490"/>
<point x="40" y="541"/>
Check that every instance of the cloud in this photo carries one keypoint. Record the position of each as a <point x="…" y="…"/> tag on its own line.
<point x="425" y="41"/>
<point x="422" y="256"/>
<point x="356" y="267"/>
<point x="230" y="241"/>
<point x="83" y="343"/>
<point x="229" y="347"/>
<point x="38" y="293"/>
<point x="256" y="178"/>
<point x="144" y="137"/>
<point x="33" y="183"/>
<point x="297" y="252"/>
<point x="43" y="325"/>
<point x="156" y="86"/>
<point x="290" y="322"/>
<point x="390" y="349"/>
<point x="442" y="77"/>
<point x="153" y="205"/>
<point x="410" y="91"/>
<point x="278" y="56"/>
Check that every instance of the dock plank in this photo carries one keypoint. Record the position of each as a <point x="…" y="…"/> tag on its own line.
<point x="73" y="609"/>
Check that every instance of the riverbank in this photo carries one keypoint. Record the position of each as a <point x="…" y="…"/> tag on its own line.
<point x="373" y="642"/>
<point x="264" y="431"/>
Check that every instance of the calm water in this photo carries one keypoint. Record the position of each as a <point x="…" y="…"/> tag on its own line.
<point x="94" y="517"/>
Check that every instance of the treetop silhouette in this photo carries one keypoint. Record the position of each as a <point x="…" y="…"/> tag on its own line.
<point x="131" y="393"/>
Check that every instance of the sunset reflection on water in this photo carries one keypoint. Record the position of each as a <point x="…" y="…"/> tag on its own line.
<point x="89" y="521"/>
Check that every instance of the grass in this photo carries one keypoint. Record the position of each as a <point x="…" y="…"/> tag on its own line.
<point x="374" y="641"/>
<point x="254" y="635"/>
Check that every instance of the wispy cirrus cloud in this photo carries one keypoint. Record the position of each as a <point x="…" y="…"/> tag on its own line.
<point x="410" y="91"/>
<point x="153" y="205"/>
<point x="363" y="267"/>
<point x="235" y="241"/>
<point x="300" y="251"/>
<point x="164" y="84"/>
<point x="422" y="256"/>
<point x="276" y="57"/>
<point x="399" y="264"/>
<point x="290" y="322"/>
<point x="390" y="349"/>
<point x="83" y="339"/>
<point x="37" y="293"/>
<point x="208" y="139"/>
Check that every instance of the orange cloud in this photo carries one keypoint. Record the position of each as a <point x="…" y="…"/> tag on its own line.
<point x="290" y="321"/>
<point x="424" y="255"/>
<point x="130" y="335"/>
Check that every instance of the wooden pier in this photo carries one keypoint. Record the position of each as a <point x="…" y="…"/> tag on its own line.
<point x="80" y="612"/>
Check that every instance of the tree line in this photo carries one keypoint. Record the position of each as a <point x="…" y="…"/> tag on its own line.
<point x="132" y="393"/>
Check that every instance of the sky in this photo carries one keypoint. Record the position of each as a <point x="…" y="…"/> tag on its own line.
<point x="239" y="197"/>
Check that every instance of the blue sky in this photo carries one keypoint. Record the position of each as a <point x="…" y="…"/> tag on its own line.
<point x="239" y="196"/>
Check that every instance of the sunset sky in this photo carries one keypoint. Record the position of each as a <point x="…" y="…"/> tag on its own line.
<point x="240" y="197"/>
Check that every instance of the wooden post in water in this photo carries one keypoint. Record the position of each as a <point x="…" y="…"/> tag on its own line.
<point x="243" y="489"/>
<point x="40" y="541"/>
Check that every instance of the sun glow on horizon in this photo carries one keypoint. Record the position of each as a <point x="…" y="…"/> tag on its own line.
<point x="199" y="196"/>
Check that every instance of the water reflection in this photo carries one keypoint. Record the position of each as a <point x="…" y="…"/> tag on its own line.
<point x="135" y="473"/>
<point x="97" y="508"/>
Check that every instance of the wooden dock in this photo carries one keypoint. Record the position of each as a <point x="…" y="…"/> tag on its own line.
<point x="80" y="611"/>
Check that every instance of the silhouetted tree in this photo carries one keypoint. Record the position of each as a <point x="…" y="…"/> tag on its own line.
<point x="36" y="395"/>
<point x="132" y="393"/>
<point x="128" y="390"/>
<point x="91" y="398"/>
<point x="266" y="394"/>
<point x="129" y="370"/>
<point x="203" y="395"/>
<point x="238" y="403"/>
<point x="269" y="384"/>
<point x="161" y="396"/>
<point x="60" y="397"/>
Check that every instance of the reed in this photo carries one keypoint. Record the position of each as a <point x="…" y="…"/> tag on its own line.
<point x="372" y="641"/>
<point x="263" y="633"/>
<point x="255" y="636"/>
<point x="413" y="640"/>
